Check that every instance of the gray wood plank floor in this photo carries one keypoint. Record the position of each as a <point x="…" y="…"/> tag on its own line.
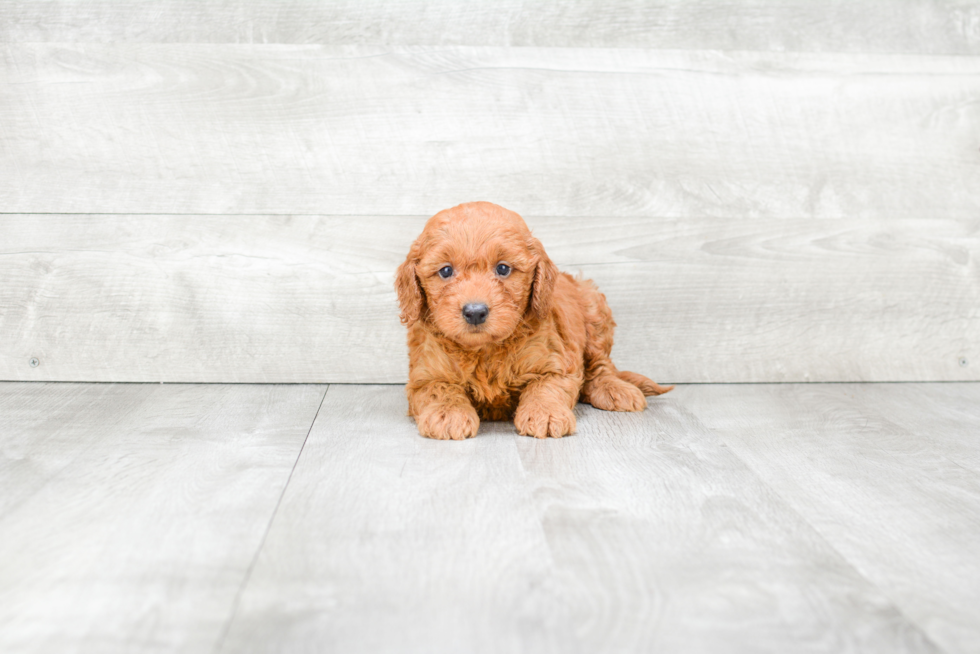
<point x="888" y="475"/>
<point x="206" y="518"/>
<point x="129" y="514"/>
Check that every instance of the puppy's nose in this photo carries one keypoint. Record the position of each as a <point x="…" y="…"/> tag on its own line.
<point x="475" y="314"/>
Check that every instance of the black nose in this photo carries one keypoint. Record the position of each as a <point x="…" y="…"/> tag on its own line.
<point x="475" y="314"/>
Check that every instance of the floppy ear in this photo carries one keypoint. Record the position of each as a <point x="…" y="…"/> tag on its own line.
<point x="410" y="297"/>
<point x="543" y="285"/>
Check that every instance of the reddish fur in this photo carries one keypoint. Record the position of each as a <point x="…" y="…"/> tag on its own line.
<point x="545" y="344"/>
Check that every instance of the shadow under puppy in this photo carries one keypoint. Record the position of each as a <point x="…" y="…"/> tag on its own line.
<point x="495" y="331"/>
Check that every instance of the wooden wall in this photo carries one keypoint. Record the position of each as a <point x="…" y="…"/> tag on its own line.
<point x="216" y="190"/>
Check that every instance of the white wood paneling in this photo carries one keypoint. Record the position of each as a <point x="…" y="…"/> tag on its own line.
<point x="310" y="298"/>
<point x="130" y="514"/>
<point x="905" y="26"/>
<point x="640" y="533"/>
<point x="201" y="298"/>
<point x="889" y="475"/>
<point x="200" y="128"/>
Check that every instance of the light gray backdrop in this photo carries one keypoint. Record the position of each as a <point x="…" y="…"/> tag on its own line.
<point x="220" y="191"/>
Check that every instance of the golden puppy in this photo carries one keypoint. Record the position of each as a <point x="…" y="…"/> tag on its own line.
<point x="496" y="332"/>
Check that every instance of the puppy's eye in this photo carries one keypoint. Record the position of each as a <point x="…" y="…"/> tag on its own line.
<point x="446" y="272"/>
<point x="503" y="269"/>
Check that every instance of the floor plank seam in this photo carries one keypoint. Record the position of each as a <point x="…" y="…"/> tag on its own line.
<point x="789" y="507"/>
<point x="258" y="550"/>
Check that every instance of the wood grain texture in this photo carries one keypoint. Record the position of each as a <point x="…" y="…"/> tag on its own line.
<point x="640" y="533"/>
<point x="908" y="26"/>
<point x="889" y="475"/>
<point x="386" y="541"/>
<point x="129" y="514"/>
<point x="201" y="128"/>
<point x="310" y="298"/>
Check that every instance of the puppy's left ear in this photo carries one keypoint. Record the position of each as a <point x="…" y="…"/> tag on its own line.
<point x="545" y="276"/>
<point x="411" y="300"/>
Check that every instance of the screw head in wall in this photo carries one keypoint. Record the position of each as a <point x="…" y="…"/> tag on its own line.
<point x="964" y="362"/>
<point x="34" y="362"/>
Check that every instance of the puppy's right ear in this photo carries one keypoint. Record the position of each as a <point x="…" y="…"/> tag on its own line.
<point x="410" y="298"/>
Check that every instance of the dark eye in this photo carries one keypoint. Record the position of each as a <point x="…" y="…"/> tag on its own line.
<point x="446" y="272"/>
<point x="503" y="269"/>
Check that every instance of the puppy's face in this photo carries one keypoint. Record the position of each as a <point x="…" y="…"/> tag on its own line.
<point x="476" y="282"/>
<point x="475" y="267"/>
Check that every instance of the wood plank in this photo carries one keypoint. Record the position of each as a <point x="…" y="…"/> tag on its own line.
<point x="667" y="539"/>
<point x="200" y="128"/>
<point x="942" y="418"/>
<point x="910" y="26"/>
<point x="888" y="475"/>
<point x="197" y="298"/>
<point x="129" y="514"/>
<point x="386" y="541"/>
<point x="640" y="533"/>
<point x="310" y="298"/>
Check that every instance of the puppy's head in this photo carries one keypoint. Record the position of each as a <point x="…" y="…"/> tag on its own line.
<point x="474" y="274"/>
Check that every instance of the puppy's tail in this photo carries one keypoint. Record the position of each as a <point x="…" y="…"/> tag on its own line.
<point x="647" y="386"/>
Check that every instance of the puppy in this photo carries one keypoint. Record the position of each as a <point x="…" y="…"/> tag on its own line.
<point x="496" y="332"/>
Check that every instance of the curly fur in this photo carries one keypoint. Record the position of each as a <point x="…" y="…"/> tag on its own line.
<point x="544" y="346"/>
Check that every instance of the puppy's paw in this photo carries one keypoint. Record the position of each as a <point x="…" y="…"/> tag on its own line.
<point x="448" y="422"/>
<point x="613" y="394"/>
<point x="541" y="421"/>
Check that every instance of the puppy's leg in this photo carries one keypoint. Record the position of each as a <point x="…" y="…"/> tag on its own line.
<point x="610" y="393"/>
<point x="646" y="385"/>
<point x="443" y="411"/>
<point x="546" y="404"/>
<point x="606" y="387"/>
<point x="620" y="390"/>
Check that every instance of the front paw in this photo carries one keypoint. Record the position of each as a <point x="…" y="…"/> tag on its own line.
<point x="541" y="421"/>
<point x="448" y="422"/>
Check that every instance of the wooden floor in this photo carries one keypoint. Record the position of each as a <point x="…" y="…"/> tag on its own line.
<point x="249" y="518"/>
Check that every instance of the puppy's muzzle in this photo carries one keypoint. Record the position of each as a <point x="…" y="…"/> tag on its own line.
<point x="476" y="314"/>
